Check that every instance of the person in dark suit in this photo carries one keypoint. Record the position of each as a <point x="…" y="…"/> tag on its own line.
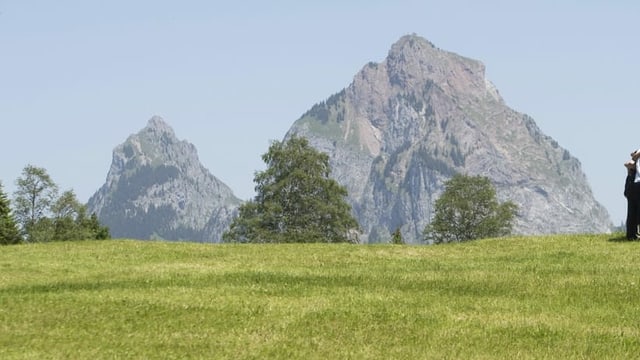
<point x="633" y="196"/>
<point x="632" y="200"/>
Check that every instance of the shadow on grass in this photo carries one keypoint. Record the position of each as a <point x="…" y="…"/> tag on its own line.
<point x="620" y="238"/>
<point x="263" y="283"/>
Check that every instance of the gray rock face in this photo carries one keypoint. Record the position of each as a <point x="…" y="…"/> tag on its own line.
<point x="157" y="188"/>
<point x="409" y="123"/>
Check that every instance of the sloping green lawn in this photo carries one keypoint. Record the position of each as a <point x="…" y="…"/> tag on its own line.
<point x="556" y="297"/>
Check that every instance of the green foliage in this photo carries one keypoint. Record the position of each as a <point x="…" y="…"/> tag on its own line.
<point x="296" y="200"/>
<point x="9" y="233"/>
<point x="35" y="194"/>
<point x="99" y="231"/>
<point x="554" y="297"/>
<point x="322" y="110"/>
<point x="70" y="221"/>
<point x="396" y="237"/>
<point x="468" y="210"/>
<point x="65" y="212"/>
<point x="41" y="231"/>
<point x="45" y="217"/>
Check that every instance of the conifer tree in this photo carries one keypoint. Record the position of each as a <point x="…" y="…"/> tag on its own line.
<point x="396" y="237"/>
<point x="9" y="233"/>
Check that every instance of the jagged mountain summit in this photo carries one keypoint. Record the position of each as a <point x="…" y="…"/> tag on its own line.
<point x="409" y="123"/>
<point x="157" y="188"/>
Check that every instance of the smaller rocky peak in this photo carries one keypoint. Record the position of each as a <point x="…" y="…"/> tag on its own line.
<point x="156" y="144"/>
<point x="157" y="125"/>
<point x="157" y="188"/>
<point x="157" y="137"/>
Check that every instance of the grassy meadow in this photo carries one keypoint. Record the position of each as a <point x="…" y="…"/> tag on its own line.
<point x="562" y="297"/>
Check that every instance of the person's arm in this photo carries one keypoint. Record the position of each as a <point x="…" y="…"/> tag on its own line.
<point x="631" y="174"/>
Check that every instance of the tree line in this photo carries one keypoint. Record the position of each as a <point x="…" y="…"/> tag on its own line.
<point x="39" y="213"/>
<point x="296" y="201"/>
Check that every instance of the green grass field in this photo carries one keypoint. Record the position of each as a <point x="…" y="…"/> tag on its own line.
<point x="556" y="297"/>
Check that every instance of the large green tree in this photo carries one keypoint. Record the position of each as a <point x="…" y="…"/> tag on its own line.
<point x="68" y="215"/>
<point x="35" y="194"/>
<point x="468" y="209"/>
<point x="295" y="201"/>
<point x="70" y="220"/>
<point x="9" y="233"/>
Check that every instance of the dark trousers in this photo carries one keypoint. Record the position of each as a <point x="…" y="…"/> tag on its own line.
<point x="632" y="220"/>
<point x="632" y="193"/>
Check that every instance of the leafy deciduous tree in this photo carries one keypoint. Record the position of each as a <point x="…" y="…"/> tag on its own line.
<point x="35" y="194"/>
<point x="44" y="216"/>
<point x="70" y="220"/>
<point x="68" y="214"/>
<point x="296" y="200"/>
<point x="468" y="210"/>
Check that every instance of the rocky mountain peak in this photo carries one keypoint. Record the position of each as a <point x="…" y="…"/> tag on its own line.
<point x="158" y="125"/>
<point x="155" y="144"/>
<point x="407" y="124"/>
<point x="414" y="63"/>
<point x="157" y="188"/>
<point x="412" y="48"/>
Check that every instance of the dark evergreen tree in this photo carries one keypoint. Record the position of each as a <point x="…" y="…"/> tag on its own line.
<point x="396" y="237"/>
<point x="99" y="231"/>
<point x="468" y="210"/>
<point x="296" y="200"/>
<point x="9" y="233"/>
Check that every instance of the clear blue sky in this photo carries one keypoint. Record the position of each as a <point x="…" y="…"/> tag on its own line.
<point x="78" y="77"/>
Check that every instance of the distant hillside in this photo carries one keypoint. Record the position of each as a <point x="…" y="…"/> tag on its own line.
<point x="157" y="188"/>
<point x="407" y="124"/>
